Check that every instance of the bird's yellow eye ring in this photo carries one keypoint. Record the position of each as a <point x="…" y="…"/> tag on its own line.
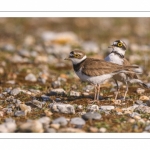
<point x="76" y="55"/>
<point x="119" y="44"/>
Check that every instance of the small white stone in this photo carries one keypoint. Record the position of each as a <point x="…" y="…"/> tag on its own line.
<point x="102" y="130"/>
<point x="140" y="90"/>
<point x="31" y="77"/>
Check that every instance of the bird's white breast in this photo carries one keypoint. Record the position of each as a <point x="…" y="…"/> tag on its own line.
<point x="113" y="58"/>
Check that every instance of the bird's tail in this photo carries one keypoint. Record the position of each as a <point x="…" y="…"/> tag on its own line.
<point x="126" y="69"/>
<point x="139" y="82"/>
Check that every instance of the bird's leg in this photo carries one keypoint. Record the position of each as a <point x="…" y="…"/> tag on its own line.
<point x="98" y="91"/>
<point x="117" y="90"/>
<point x="95" y="94"/>
<point x="126" y="90"/>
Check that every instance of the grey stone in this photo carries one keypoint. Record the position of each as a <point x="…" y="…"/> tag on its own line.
<point x="105" y="108"/>
<point x="8" y="90"/>
<point x="56" y="84"/>
<point x="91" y="115"/>
<point x="147" y="103"/>
<point x="9" y="48"/>
<point x="57" y="99"/>
<point x="142" y="109"/>
<point x="31" y="77"/>
<point x="77" y="121"/>
<point x="9" y="111"/>
<point x="62" y="108"/>
<point x="37" y="103"/>
<point x="92" y="108"/>
<point x="19" y="113"/>
<point x="90" y="47"/>
<point x="15" y="91"/>
<point x="58" y="91"/>
<point x="139" y="102"/>
<point x="24" y="53"/>
<point x="134" y="114"/>
<point x="61" y="120"/>
<point x="75" y="93"/>
<point x="147" y="128"/>
<point x="45" y="97"/>
<point x="50" y="130"/>
<point x="45" y="121"/>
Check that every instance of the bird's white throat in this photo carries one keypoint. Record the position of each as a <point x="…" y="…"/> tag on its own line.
<point x="77" y="61"/>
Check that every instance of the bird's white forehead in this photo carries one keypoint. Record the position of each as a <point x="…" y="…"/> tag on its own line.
<point x="115" y="43"/>
<point x="72" y="54"/>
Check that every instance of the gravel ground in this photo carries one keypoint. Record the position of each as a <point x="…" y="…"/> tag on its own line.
<point x="39" y="91"/>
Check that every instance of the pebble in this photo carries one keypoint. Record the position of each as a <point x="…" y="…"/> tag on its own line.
<point x="143" y="98"/>
<point x="58" y="91"/>
<point x="26" y="92"/>
<point x="3" y="128"/>
<point x="147" y="128"/>
<point x="45" y="121"/>
<point x="29" y="40"/>
<point x="140" y="90"/>
<point x="105" y="108"/>
<point x="24" y="53"/>
<point x="75" y="93"/>
<point x="147" y="103"/>
<point x="88" y="88"/>
<point x="71" y="130"/>
<point x="55" y="126"/>
<point x="19" y="113"/>
<point x="10" y="124"/>
<point x="62" y="108"/>
<point x="57" y="99"/>
<point x="31" y="77"/>
<point x="92" y="108"/>
<point x="15" y="91"/>
<point x="134" y="114"/>
<point x="45" y="97"/>
<point x="80" y="107"/>
<point x="37" y="103"/>
<point x="139" y="102"/>
<point x="32" y="126"/>
<point x="102" y="130"/>
<point x="91" y="115"/>
<point x="141" y="121"/>
<point x="50" y="130"/>
<point x="130" y="120"/>
<point x="142" y="109"/>
<point x="9" y="111"/>
<point x="17" y="102"/>
<point x="25" y="108"/>
<point x="11" y="82"/>
<point x="93" y="129"/>
<point x="56" y="84"/>
<point x="19" y="59"/>
<point x="61" y="120"/>
<point x="1" y="113"/>
<point x="48" y="113"/>
<point x="90" y="47"/>
<point x="10" y="98"/>
<point x="8" y="47"/>
<point x="77" y="122"/>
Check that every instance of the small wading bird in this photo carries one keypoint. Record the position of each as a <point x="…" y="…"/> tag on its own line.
<point x="95" y="71"/>
<point x="116" y="56"/>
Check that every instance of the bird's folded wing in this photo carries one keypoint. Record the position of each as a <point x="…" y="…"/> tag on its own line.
<point x="96" y="67"/>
